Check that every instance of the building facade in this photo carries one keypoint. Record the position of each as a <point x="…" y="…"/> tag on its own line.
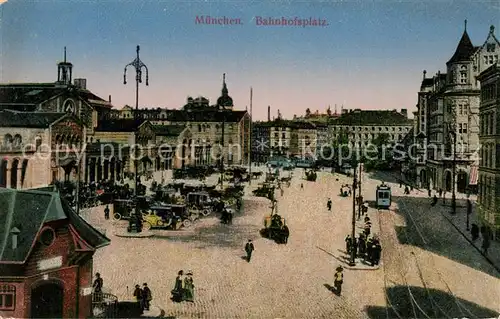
<point x="39" y="148"/>
<point x="366" y="127"/>
<point x="451" y="103"/>
<point x="261" y="138"/>
<point x="46" y="263"/>
<point x="489" y="137"/>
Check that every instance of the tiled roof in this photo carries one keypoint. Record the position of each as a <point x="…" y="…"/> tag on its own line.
<point x="26" y="211"/>
<point x="369" y="117"/>
<point x="119" y="125"/>
<point x="10" y="118"/>
<point x="464" y="49"/>
<point x="168" y="130"/>
<point x="206" y="115"/>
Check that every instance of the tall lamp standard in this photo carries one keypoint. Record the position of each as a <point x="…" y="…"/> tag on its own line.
<point x="352" y="262"/>
<point x="453" y="134"/>
<point x="138" y="65"/>
<point x="222" y="109"/>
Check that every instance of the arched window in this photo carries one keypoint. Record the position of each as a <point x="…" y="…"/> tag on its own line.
<point x="7" y="297"/>
<point x="7" y="140"/>
<point x="17" y="140"/>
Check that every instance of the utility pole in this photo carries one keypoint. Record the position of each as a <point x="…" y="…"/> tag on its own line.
<point x="360" y="201"/>
<point x="250" y="141"/>
<point x="138" y="65"/>
<point x="453" y="179"/>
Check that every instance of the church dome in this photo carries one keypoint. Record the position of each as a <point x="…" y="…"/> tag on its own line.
<point x="225" y="100"/>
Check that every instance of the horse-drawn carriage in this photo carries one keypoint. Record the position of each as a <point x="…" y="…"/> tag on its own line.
<point x="275" y="228"/>
<point x="311" y="175"/>
<point x="264" y="190"/>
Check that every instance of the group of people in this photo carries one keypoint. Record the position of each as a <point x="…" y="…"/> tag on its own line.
<point x="366" y="247"/>
<point x="143" y="296"/>
<point x="184" y="287"/>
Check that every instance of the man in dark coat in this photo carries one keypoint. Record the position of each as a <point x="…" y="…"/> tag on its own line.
<point x="106" y="212"/>
<point x="377" y="251"/>
<point x="348" y="244"/>
<point x="249" y="248"/>
<point x="147" y="296"/>
<point x="138" y="297"/>
<point x="98" y="284"/>
<point x="286" y="234"/>
<point x="329" y="204"/>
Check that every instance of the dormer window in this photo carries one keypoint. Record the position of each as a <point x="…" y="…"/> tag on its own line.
<point x="14" y="233"/>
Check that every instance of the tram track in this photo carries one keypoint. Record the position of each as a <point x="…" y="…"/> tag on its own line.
<point x="460" y="307"/>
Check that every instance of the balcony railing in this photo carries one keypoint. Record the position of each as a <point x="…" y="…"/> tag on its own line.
<point x="104" y="305"/>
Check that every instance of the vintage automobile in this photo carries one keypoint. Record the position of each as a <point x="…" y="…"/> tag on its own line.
<point x="122" y="208"/>
<point x="167" y="217"/>
<point x="200" y="202"/>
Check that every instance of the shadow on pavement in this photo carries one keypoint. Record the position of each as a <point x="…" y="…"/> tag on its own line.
<point x="128" y="309"/>
<point x="440" y="237"/>
<point x="434" y="303"/>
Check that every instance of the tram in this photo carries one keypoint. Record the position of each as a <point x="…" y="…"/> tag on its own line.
<point x="383" y="196"/>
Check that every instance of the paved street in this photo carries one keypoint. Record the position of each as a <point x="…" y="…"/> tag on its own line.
<point x="288" y="281"/>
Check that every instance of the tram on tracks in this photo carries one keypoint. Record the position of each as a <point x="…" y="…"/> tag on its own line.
<point x="383" y="196"/>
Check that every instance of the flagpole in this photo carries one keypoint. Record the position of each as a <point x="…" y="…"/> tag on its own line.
<point x="250" y="141"/>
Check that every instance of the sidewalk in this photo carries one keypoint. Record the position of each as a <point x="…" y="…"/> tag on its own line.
<point x="459" y="223"/>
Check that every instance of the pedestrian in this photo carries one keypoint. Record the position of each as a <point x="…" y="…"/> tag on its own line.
<point x="429" y="192"/>
<point x="301" y="186"/>
<point x="440" y="192"/>
<point x="474" y="230"/>
<point x="138" y="297"/>
<point x="434" y="201"/>
<point x="249" y="248"/>
<point x="177" y="292"/>
<point x="106" y="212"/>
<point x="368" y="226"/>
<point x="361" y="245"/>
<point x="329" y="204"/>
<point x="486" y="244"/>
<point x="147" y="296"/>
<point x="97" y="286"/>
<point x="369" y="250"/>
<point x="354" y="247"/>
<point x="348" y="244"/>
<point x="189" y="287"/>
<point x="444" y="197"/>
<point x="286" y="234"/>
<point x="282" y="191"/>
<point x="339" y="280"/>
<point x="377" y="251"/>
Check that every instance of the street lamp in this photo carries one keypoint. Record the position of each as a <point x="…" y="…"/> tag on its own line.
<point x="223" y="112"/>
<point x="138" y="65"/>
<point x="454" y="164"/>
<point x="353" y="238"/>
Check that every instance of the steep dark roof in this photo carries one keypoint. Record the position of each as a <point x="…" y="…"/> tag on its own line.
<point x="369" y="117"/>
<point x="28" y="211"/>
<point x="427" y="82"/>
<point x="22" y="95"/>
<point x="119" y="125"/>
<point x="168" y="130"/>
<point x="28" y="119"/>
<point x="205" y="115"/>
<point x="464" y="49"/>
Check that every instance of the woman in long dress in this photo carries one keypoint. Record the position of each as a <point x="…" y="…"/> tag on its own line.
<point x="189" y="287"/>
<point x="178" y="291"/>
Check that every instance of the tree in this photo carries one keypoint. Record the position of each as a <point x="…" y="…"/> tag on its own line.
<point x="308" y="112"/>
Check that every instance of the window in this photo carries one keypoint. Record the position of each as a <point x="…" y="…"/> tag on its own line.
<point x="464" y="128"/>
<point x="47" y="236"/>
<point x="283" y="135"/>
<point x="7" y="297"/>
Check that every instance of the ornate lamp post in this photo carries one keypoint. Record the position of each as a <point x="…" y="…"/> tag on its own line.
<point x="454" y="164"/>
<point x="352" y="262"/>
<point x="138" y="65"/>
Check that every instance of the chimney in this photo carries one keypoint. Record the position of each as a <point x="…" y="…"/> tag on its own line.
<point x="109" y="98"/>
<point x="80" y="83"/>
<point x="404" y="112"/>
<point x="269" y="113"/>
<point x="15" y="232"/>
